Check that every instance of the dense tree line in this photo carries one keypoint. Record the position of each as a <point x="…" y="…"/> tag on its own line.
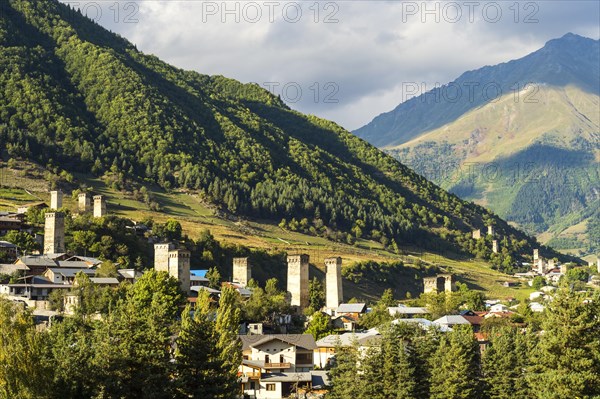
<point x="559" y="360"/>
<point x="144" y="345"/>
<point x="80" y="97"/>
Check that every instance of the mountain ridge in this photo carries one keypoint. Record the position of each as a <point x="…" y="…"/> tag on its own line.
<point x="77" y="96"/>
<point x="549" y="128"/>
<point x="401" y="125"/>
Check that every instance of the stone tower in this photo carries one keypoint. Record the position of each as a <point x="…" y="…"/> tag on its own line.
<point x="99" y="206"/>
<point x="433" y="284"/>
<point x="179" y="267"/>
<point x="161" y="257"/>
<point x="448" y="282"/>
<point x="242" y="271"/>
<point x="84" y="202"/>
<point x="541" y="266"/>
<point x="495" y="246"/>
<point x="439" y="283"/>
<point x="476" y="234"/>
<point x="176" y="262"/>
<point x="490" y="230"/>
<point x="56" y="199"/>
<point x="536" y="255"/>
<point x="598" y="264"/>
<point x="334" y="294"/>
<point x="297" y="283"/>
<point x="54" y="233"/>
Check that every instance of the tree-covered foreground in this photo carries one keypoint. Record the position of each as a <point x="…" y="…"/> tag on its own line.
<point x="141" y="341"/>
<point x="559" y="361"/>
<point x="145" y="345"/>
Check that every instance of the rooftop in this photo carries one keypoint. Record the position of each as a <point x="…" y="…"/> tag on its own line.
<point x="351" y="308"/>
<point x="306" y="341"/>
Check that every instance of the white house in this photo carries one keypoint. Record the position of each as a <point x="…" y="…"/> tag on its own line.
<point x="273" y="365"/>
<point x="498" y="308"/>
<point x="536" y="307"/>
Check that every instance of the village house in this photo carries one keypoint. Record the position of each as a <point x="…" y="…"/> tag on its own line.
<point x="274" y="365"/>
<point x="25" y="207"/>
<point x="8" y="223"/>
<point x="451" y="321"/>
<point x="325" y="349"/>
<point x="354" y="310"/>
<point x="344" y="322"/>
<point x="58" y="275"/>
<point x="8" y="251"/>
<point x="33" y="288"/>
<point x="407" y="311"/>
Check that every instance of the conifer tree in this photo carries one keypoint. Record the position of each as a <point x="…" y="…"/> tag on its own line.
<point x="566" y="361"/>
<point x="230" y="347"/>
<point x="343" y="375"/>
<point x="500" y="364"/>
<point x="455" y="372"/>
<point x="199" y="369"/>
<point x="372" y="384"/>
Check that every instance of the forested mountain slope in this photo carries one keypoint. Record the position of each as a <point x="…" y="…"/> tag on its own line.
<point x="529" y="151"/>
<point x="77" y="97"/>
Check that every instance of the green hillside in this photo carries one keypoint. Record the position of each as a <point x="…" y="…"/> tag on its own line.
<point x="264" y="242"/>
<point x="79" y="98"/>
<point x="539" y="172"/>
<point x="532" y="155"/>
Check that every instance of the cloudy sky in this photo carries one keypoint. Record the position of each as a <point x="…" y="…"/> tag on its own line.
<point x="343" y="60"/>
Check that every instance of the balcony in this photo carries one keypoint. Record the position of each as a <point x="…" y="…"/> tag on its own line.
<point x="254" y="375"/>
<point x="278" y="365"/>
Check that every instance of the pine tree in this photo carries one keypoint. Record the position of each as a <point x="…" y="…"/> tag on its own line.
<point x="229" y="346"/>
<point x="455" y="372"/>
<point x="200" y="371"/>
<point x="343" y="375"/>
<point x="372" y="384"/>
<point x="500" y="364"/>
<point x="566" y="361"/>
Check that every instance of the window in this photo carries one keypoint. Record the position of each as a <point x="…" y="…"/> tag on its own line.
<point x="270" y="387"/>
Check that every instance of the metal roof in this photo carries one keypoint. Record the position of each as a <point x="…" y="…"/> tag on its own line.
<point x="407" y="310"/>
<point x="451" y="320"/>
<point x="104" y="280"/>
<point x="286" y="377"/>
<point x="306" y="341"/>
<point x="351" y="308"/>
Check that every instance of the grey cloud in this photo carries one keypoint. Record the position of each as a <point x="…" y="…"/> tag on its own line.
<point x="369" y="53"/>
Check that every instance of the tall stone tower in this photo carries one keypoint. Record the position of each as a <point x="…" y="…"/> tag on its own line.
<point x="99" y="206"/>
<point x="495" y="246"/>
<point x="161" y="257"/>
<point x="54" y="233"/>
<point x="242" y="271"/>
<point x="541" y="266"/>
<point x="179" y="267"/>
<point x="176" y="262"/>
<point x="297" y="283"/>
<point x="536" y="255"/>
<point x="490" y="230"/>
<point x="84" y="203"/>
<point x="449" y="282"/>
<point x="334" y="294"/>
<point x="56" y="199"/>
<point x="430" y="284"/>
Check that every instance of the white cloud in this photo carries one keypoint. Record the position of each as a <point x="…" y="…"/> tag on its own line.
<point x="368" y="53"/>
